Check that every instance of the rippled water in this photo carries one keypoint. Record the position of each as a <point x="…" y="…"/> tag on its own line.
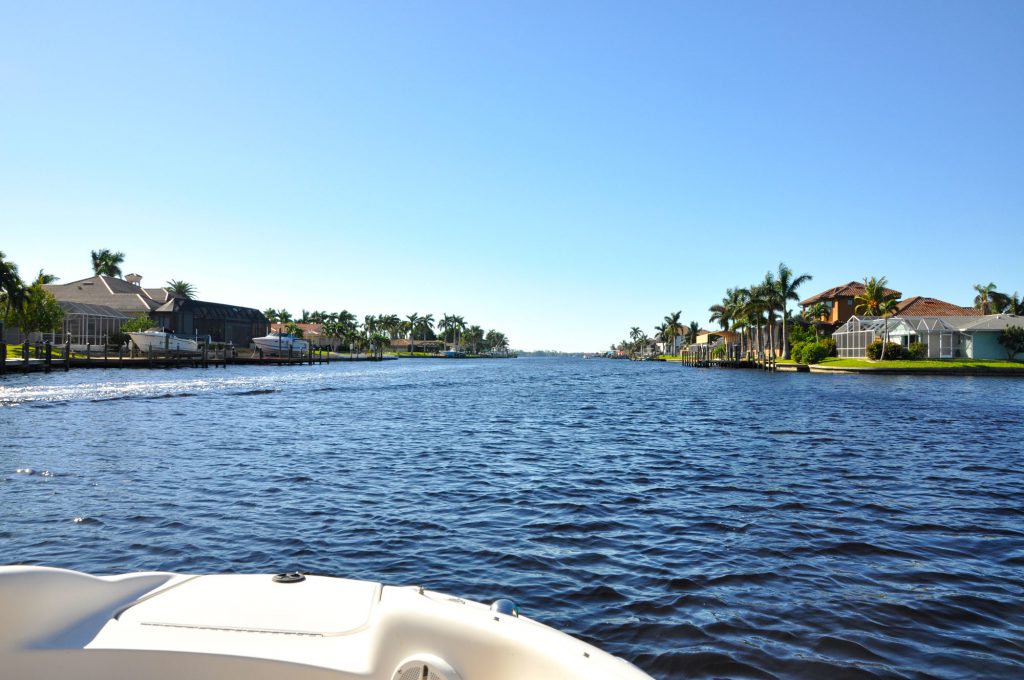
<point x="701" y="523"/>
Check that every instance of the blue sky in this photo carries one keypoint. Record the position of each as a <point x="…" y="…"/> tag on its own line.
<point x="558" y="171"/>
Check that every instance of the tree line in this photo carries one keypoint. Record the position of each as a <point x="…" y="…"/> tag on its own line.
<point x="375" y="332"/>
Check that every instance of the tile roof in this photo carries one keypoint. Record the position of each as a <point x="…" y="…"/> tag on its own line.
<point x="851" y="289"/>
<point x="992" y="322"/>
<point x="926" y="306"/>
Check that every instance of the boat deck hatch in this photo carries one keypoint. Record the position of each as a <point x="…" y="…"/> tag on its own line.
<point x="315" y="606"/>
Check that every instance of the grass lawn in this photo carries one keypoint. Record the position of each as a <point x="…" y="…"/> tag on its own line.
<point x="923" y="363"/>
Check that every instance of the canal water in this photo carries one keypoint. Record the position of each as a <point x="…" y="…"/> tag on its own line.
<point x="700" y="523"/>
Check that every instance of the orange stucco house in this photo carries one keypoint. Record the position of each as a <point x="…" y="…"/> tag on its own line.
<point x="840" y="301"/>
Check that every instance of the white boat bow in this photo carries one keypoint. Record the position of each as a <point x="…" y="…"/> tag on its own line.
<point x="56" y="623"/>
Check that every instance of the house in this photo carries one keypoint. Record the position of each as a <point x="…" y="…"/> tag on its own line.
<point x="222" y="322"/>
<point x="712" y="337"/>
<point x="403" y="345"/>
<point x="84" y="325"/>
<point x="946" y="337"/>
<point x="840" y="301"/>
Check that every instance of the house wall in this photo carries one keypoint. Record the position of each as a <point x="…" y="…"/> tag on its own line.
<point x="986" y="345"/>
<point x="842" y="310"/>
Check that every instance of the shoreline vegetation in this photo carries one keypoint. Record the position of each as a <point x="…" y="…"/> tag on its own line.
<point x="32" y="309"/>
<point x="757" y="327"/>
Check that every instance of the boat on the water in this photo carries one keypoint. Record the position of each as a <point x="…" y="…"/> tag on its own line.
<point x="160" y="340"/>
<point x="279" y="342"/>
<point x="56" y="623"/>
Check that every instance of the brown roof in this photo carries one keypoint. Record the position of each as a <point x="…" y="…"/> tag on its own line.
<point x="926" y="306"/>
<point x="848" y="290"/>
<point x="403" y="342"/>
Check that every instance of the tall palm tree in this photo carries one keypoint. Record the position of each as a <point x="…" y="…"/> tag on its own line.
<point x="1014" y="304"/>
<point x="182" y="288"/>
<point x="756" y="310"/>
<point x="474" y="334"/>
<point x="12" y="288"/>
<point x="787" y="285"/>
<point x="425" y="326"/>
<point x="107" y="263"/>
<point x="414" y="320"/>
<point x="870" y="301"/>
<point x="694" y="329"/>
<point x="634" y="334"/>
<point x="13" y="294"/>
<point x="989" y="300"/>
<point x="271" y="315"/>
<point x="886" y="309"/>
<point x="771" y="299"/>
<point x="674" y="327"/>
<point x="284" y="316"/>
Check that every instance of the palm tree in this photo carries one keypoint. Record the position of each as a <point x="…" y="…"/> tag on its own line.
<point x="107" y="263"/>
<point x="474" y="334"/>
<point x="1014" y="304"/>
<point x="425" y="326"/>
<point x="13" y="295"/>
<point x="886" y="309"/>
<point x="414" y="320"/>
<point x="983" y="300"/>
<point x="814" y="314"/>
<point x="391" y="324"/>
<point x="43" y="278"/>
<point x="284" y="316"/>
<point x="182" y="288"/>
<point x="12" y="288"/>
<point x="991" y="301"/>
<point x="271" y="314"/>
<point x="870" y="301"/>
<point x="770" y="300"/>
<point x="673" y="327"/>
<point x="787" y="284"/>
<point x="460" y="326"/>
<point x="694" y="329"/>
<point x="634" y="334"/>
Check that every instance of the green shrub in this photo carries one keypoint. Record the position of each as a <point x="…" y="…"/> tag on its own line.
<point x="893" y="350"/>
<point x="800" y="333"/>
<point x="829" y="344"/>
<point x="814" y="352"/>
<point x="917" y="350"/>
<point x="1012" y="340"/>
<point x="797" y="353"/>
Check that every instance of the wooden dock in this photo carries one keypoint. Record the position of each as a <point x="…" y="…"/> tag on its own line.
<point x="751" y="361"/>
<point x="42" y="357"/>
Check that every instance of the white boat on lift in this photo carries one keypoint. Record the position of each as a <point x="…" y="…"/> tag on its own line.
<point x="160" y="340"/>
<point x="280" y="343"/>
<point x="56" y="623"/>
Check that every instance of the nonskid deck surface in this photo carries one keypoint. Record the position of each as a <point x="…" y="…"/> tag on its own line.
<point x="58" y="623"/>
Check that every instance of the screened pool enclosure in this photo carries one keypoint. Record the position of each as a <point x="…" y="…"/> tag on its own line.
<point x="941" y="338"/>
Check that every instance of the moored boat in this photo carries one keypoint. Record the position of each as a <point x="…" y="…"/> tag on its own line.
<point x="57" y="623"/>
<point x="279" y="342"/>
<point x="159" y="340"/>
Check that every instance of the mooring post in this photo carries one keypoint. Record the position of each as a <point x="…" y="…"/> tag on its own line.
<point x="49" y="358"/>
<point x="120" y="356"/>
<point x="3" y="358"/>
<point x="67" y="355"/>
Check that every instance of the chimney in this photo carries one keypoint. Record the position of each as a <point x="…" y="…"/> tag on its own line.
<point x="134" y="279"/>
